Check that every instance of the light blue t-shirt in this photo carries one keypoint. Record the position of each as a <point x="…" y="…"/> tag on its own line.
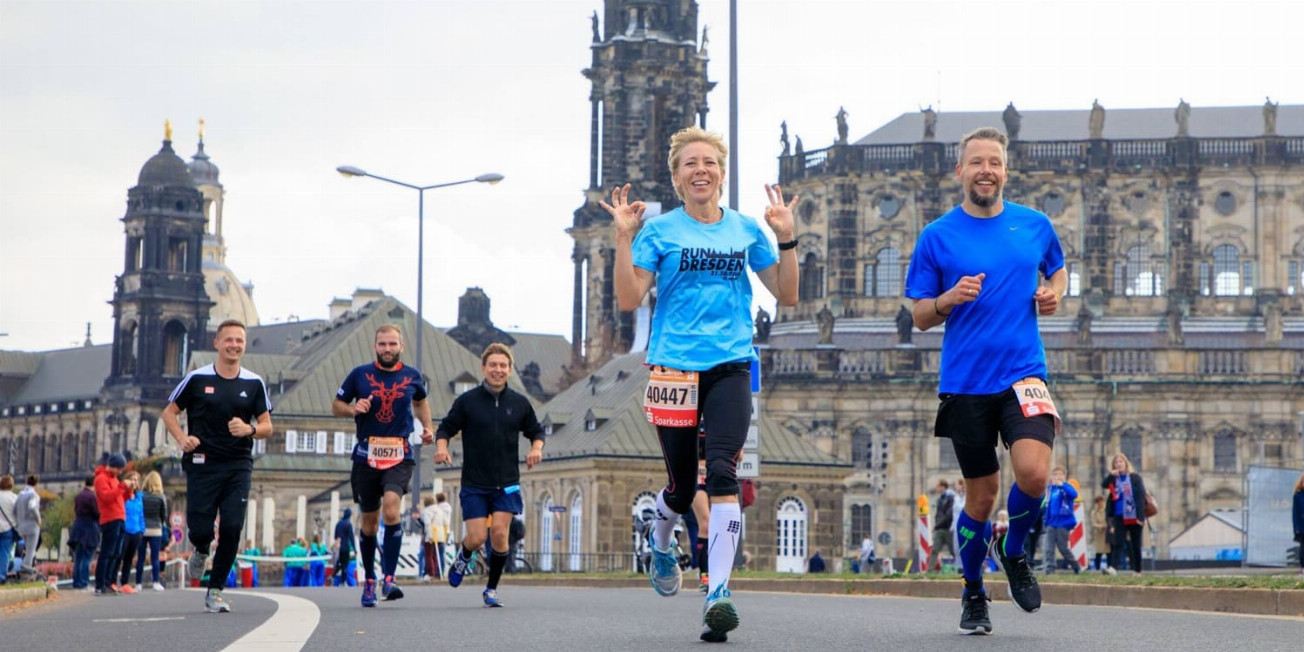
<point x="992" y="342"/>
<point x="704" y="299"/>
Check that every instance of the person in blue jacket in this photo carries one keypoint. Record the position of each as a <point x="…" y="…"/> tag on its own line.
<point x="1297" y="517"/>
<point x="1060" y="520"/>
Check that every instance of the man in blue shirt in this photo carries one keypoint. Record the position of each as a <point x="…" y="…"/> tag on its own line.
<point x="987" y="269"/>
<point x="382" y="397"/>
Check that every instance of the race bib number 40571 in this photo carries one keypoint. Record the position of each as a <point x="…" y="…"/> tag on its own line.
<point x="385" y="452"/>
<point x="671" y="398"/>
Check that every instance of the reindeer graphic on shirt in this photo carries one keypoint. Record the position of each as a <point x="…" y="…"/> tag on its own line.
<point x="387" y="395"/>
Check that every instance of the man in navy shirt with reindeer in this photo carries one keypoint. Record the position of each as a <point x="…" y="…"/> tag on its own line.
<point x="382" y="397"/>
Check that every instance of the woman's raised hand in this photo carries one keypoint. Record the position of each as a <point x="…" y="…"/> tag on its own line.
<point x="779" y="215"/>
<point x="627" y="215"/>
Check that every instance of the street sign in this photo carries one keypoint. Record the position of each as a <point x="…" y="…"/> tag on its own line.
<point x="750" y="466"/>
<point x="177" y="519"/>
<point x="753" y="442"/>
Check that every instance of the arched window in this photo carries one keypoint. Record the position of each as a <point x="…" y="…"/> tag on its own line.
<point x="1130" y="443"/>
<point x="129" y="346"/>
<point x="861" y="445"/>
<point x="87" y="449"/>
<point x="577" y="532"/>
<point x="811" y="279"/>
<point x="883" y="277"/>
<point x="69" y="457"/>
<point x="175" y="349"/>
<point x="36" y="454"/>
<point x="792" y="533"/>
<point x="862" y="523"/>
<point x="545" y="534"/>
<point x="1140" y="276"/>
<point x="1226" y="271"/>
<point x="1224" y="451"/>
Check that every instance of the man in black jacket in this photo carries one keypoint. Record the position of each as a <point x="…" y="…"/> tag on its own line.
<point x="942" y="523"/>
<point x="490" y="417"/>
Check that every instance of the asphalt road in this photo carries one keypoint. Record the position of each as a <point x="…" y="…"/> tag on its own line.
<point x="434" y="617"/>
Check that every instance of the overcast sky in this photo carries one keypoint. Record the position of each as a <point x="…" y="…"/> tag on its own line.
<point x="440" y="90"/>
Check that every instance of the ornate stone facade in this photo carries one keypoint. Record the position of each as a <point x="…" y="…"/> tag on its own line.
<point x="1179" y="341"/>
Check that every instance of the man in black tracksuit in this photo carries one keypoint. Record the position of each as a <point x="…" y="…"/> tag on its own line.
<point x="490" y="418"/>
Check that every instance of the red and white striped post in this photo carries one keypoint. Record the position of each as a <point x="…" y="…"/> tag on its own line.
<point x="924" y="525"/>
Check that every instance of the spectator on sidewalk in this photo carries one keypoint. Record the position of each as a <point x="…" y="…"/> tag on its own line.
<point x="1125" y="509"/>
<point x="344" y="547"/>
<point x="295" y="571"/>
<point x="28" y="509"/>
<point x="111" y="493"/>
<point x="133" y="534"/>
<point x="867" y="559"/>
<point x="8" y="524"/>
<point x="816" y="564"/>
<point x="1297" y="519"/>
<point x="84" y="536"/>
<point x="155" y="508"/>
<point x="1098" y="538"/>
<point x="943" y="519"/>
<point x="1060" y="520"/>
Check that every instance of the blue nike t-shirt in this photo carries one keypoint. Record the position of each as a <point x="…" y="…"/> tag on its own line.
<point x="391" y="392"/>
<point x="992" y="342"/>
<point x="704" y="299"/>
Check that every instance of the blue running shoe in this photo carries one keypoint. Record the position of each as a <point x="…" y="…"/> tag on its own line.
<point x="390" y="589"/>
<point x="457" y="571"/>
<point x="491" y="598"/>
<point x="369" y="593"/>
<point x="719" y="616"/>
<point x="665" y="573"/>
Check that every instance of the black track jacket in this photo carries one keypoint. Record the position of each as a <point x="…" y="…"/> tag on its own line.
<point x="489" y="427"/>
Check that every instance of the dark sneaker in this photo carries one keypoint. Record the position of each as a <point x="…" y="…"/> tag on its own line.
<point x="719" y="616"/>
<point x="369" y="593"/>
<point x="1021" y="584"/>
<point x="665" y="574"/>
<point x="390" y="589"/>
<point x="459" y="569"/>
<point x="491" y="598"/>
<point x="214" y="604"/>
<point x="973" y="614"/>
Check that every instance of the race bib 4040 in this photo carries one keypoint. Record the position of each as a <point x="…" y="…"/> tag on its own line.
<point x="671" y="398"/>
<point x="1034" y="400"/>
<point x="385" y="452"/>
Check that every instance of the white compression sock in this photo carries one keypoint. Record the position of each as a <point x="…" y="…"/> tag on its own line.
<point x="663" y="531"/>
<point x="726" y="524"/>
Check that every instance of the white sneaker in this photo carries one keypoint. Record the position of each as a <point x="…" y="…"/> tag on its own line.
<point x="138" y="588"/>
<point x="158" y="587"/>
<point x="214" y="604"/>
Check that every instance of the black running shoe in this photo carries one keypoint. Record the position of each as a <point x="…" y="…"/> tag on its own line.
<point x="1020" y="584"/>
<point x="973" y="614"/>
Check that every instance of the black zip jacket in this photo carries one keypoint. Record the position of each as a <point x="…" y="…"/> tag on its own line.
<point x="489" y="427"/>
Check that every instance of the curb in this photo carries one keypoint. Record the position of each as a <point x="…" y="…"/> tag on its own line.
<point x="1262" y="602"/>
<point x="17" y="596"/>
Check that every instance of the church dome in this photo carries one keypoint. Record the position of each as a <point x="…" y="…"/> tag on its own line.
<point x="231" y="298"/>
<point x="202" y="169"/>
<point x="165" y="169"/>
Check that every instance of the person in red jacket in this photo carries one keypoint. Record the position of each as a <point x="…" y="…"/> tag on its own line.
<point x="111" y="494"/>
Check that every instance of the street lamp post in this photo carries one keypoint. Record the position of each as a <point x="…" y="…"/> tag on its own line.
<point x="489" y="178"/>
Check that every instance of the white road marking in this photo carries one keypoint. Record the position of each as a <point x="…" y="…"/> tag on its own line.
<point x="137" y="620"/>
<point x="288" y="630"/>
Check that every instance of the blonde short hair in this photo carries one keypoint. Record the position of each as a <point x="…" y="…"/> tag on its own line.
<point x="688" y="135"/>
<point x="982" y="133"/>
<point x="153" y="483"/>
<point x="496" y="349"/>
<point x="1126" y="462"/>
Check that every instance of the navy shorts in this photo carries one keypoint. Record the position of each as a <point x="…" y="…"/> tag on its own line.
<point x="480" y="503"/>
<point x="975" y="422"/>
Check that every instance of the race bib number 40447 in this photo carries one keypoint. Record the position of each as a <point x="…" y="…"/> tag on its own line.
<point x="671" y="398"/>
<point x="1034" y="400"/>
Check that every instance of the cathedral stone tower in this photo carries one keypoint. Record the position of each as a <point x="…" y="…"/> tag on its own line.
<point x="649" y="81"/>
<point x="160" y="309"/>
